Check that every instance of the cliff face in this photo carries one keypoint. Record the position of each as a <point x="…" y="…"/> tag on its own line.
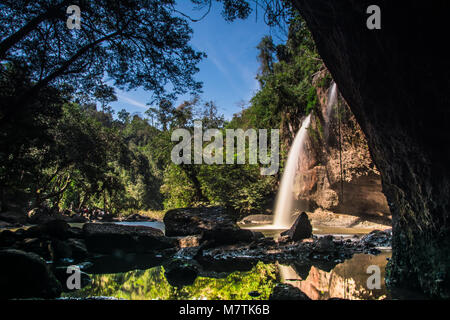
<point x="337" y="173"/>
<point x="396" y="81"/>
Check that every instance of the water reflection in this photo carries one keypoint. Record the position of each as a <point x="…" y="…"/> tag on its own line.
<point x="152" y="284"/>
<point x="347" y="280"/>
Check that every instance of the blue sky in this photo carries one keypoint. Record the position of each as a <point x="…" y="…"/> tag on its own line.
<point x="228" y="73"/>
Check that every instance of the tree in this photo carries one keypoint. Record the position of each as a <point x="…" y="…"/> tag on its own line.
<point x="266" y="54"/>
<point x="136" y="43"/>
<point x="26" y="137"/>
<point x="124" y="116"/>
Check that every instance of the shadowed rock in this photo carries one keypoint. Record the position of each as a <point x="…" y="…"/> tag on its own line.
<point x="111" y="238"/>
<point x="301" y="229"/>
<point x="25" y="275"/>
<point x="190" y="221"/>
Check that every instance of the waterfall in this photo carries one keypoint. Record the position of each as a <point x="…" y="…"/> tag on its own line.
<point x="332" y="99"/>
<point x="285" y="196"/>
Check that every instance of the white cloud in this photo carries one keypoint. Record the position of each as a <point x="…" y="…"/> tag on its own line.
<point x="131" y="101"/>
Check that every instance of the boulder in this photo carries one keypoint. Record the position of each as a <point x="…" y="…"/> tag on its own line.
<point x="287" y="292"/>
<point x="78" y="248"/>
<point x="38" y="246"/>
<point x="25" y="275"/>
<point x="190" y="221"/>
<point x="227" y="235"/>
<point x="60" y="250"/>
<point x="301" y="229"/>
<point x="112" y="238"/>
<point x="58" y="229"/>
<point x="76" y="233"/>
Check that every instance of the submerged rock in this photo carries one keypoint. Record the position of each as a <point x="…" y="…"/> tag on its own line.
<point x="113" y="238"/>
<point x="25" y="275"/>
<point x="301" y="229"/>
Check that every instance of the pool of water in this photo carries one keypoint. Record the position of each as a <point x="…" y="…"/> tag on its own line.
<point x="270" y="231"/>
<point x="348" y="280"/>
<point x="143" y="277"/>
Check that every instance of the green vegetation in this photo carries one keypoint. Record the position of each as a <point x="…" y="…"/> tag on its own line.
<point x="62" y="145"/>
<point x="152" y="284"/>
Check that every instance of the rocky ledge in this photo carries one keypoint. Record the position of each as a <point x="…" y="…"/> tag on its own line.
<point x="110" y="238"/>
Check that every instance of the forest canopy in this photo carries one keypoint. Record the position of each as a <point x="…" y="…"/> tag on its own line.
<point x="65" y="148"/>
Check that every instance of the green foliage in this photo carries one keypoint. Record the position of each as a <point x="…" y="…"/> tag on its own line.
<point x="67" y="154"/>
<point x="152" y="284"/>
<point x="240" y="187"/>
<point x="177" y="188"/>
<point x="287" y="91"/>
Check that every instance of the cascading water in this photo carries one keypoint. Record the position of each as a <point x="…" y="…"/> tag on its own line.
<point x="332" y="100"/>
<point x="285" y="197"/>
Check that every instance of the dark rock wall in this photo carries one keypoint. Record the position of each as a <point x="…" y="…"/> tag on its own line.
<point x="396" y="81"/>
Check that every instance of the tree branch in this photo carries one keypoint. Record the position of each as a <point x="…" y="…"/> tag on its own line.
<point x="13" y="39"/>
